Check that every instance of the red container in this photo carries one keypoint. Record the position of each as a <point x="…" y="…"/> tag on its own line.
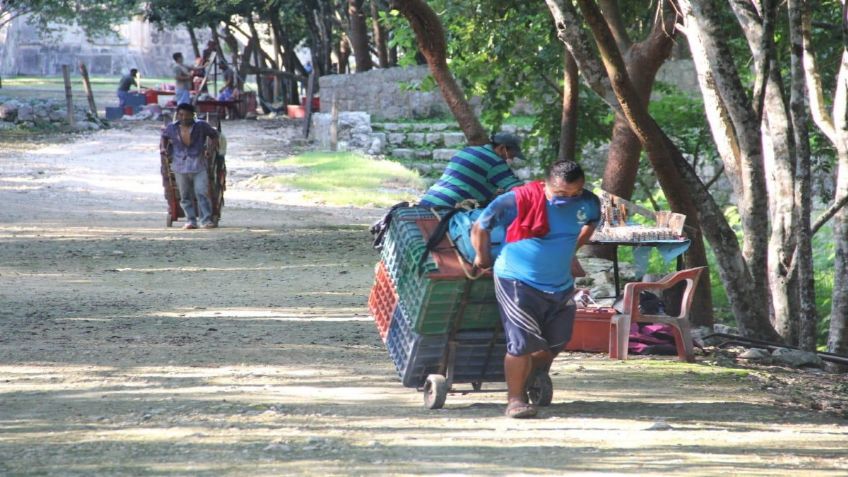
<point x="151" y="96"/>
<point x="316" y="103"/>
<point x="591" y="330"/>
<point x="295" y="111"/>
<point x="382" y="300"/>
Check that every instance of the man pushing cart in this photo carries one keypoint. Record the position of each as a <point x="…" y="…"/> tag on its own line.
<point x="192" y="170"/>
<point x="444" y="324"/>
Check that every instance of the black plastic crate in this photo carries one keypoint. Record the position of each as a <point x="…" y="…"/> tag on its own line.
<point x="416" y="356"/>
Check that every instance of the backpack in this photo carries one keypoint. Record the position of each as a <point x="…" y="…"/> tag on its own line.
<point x="459" y="230"/>
<point x="379" y="228"/>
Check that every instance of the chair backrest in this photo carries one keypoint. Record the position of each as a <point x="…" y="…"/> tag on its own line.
<point x="691" y="277"/>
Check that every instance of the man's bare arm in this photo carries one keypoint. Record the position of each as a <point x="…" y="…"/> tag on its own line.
<point x="481" y="243"/>
<point x="585" y="234"/>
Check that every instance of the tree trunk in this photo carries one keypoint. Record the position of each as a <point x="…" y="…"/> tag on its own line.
<point x="380" y="36"/>
<point x="736" y="130"/>
<point x="393" y="55"/>
<point x="779" y="169"/>
<point x="194" y="46"/>
<point x="835" y="127"/>
<point x="318" y="17"/>
<point x="803" y="257"/>
<point x="359" y="35"/>
<point x="432" y="44"/>
<point x="260" y="87"/>
<point x="568" y="123"/>
<point x="668" y="161"/>
<point x="838" y="338"/>
<point x="643" y="60"/>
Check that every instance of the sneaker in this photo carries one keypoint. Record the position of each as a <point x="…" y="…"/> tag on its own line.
<point x="189" y="226"/>
<point x="210" y="225"/>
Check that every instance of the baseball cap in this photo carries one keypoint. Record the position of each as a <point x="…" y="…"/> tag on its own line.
<point x="511" y="141"/>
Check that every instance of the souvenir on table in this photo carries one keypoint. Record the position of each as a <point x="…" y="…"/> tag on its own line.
<point x="615" y="226"/>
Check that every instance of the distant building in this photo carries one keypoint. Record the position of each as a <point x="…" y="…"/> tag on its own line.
<point x="138" y="44"/>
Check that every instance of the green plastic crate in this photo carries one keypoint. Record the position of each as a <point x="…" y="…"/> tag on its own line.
<point x="432" y="304"/>
<point x="403" y="246"/>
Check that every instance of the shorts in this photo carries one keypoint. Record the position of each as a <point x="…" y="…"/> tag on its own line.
<point x="534" y="320"/>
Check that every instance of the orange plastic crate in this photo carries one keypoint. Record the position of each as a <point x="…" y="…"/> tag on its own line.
<point x="591" y="330"/>
<point x="382" y="300"/>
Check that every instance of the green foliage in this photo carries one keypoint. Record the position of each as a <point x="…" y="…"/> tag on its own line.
<point x="504" y="52"/>
<point x="95" y="17"/>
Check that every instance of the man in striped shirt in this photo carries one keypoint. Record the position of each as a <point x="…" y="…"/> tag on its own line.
<point x="477" y="172"/>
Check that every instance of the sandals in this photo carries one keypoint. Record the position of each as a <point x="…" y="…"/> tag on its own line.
<point x="520" y="410"/>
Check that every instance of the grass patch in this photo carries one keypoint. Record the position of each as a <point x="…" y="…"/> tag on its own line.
<point x="345" y="178"/>
<point x="57" y="83"/>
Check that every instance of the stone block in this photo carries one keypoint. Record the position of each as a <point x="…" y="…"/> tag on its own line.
<point x="58" y="115"/>
<point x="433" y="139"/>
<point x="396" y="138"/>
<point x="360" y="141"/>
<point x="443" y="154"/>
<point x="25" y="113"/>
<point x="8" y="111"/>
<point x="416" y="138"/>
<point x="376" y="147"/>
<point x="454" y="139"/>
<point x="423" y="154"/>
<point x="402" y="153"/>
<point x="391" y="127"/>
<point x="424" y="168"/>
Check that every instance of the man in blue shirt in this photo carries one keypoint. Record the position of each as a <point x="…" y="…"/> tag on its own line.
<point x="186" y="137"/>
<point x="127" y="81"/>
<point x="533" y="276"/>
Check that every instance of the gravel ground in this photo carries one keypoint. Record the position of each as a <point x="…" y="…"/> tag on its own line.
<point x="128" y="348"/>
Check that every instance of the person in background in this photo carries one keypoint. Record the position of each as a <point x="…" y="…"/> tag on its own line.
<point x="534" y="284"/>
<point x="127" y="82"/>
<point x="185" y="139"/>
<point x="182" y="80"/>
<point x="211" y="47"/>
<point x="477" y="172"/>
<point x="228" y="90"/>
<point x="198" y="73"/>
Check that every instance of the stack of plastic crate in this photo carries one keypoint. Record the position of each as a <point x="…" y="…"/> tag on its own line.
<point x="430" y="296"/>
<point x="478" y="353"/>
<point x="383" y="300"/>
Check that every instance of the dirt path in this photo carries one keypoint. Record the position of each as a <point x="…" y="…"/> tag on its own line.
<point x="127" y="348"/>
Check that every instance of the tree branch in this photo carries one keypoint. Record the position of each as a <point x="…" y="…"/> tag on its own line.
<point x="616" y="25"/>
<point x="830" y="212"/>
<point x="715" y="178"/>
<point x="577" y="42"/>
<point x="550" y="82"/>
<point x="650" y="196"/>
<point x="815" y="94"/>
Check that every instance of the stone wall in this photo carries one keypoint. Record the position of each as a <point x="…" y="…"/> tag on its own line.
<point x="386" y="93"/>
<point x="383" y="93"/>
<point x="138" y="44"/>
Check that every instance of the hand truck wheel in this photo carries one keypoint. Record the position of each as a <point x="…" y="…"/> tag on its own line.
<point x="435" y="391"/>
<point x="540" y="389"/>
